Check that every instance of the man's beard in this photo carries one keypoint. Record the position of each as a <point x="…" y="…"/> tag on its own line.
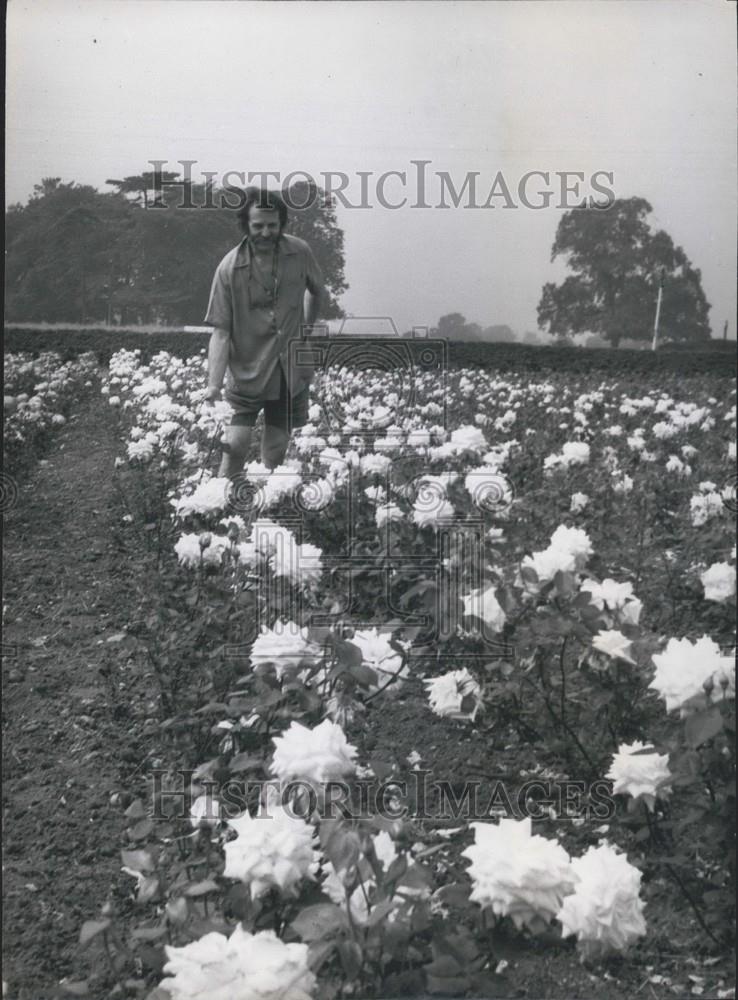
<point x="265" y="242"/>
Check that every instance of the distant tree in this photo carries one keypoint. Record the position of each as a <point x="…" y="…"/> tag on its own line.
<point x="454" y="326"/>
<point x="595" y="341"/>
<point x="618" y="262"/>
<point x="150" y="188"/>
<point x="529" y="337"/>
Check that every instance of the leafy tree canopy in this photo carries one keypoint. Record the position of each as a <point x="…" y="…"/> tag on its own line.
<point x="75" y="254"/>
<point x="617" y="262"/>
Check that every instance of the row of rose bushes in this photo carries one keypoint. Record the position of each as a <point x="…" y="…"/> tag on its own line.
<point x="360" y="901"/>
<point x="716" y="358"/>
<point x="39" y="392"/>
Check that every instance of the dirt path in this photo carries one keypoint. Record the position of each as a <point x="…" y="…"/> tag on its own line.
<point x="65" y="746"/>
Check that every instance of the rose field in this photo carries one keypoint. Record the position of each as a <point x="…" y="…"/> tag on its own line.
<point x="443" y="706"/>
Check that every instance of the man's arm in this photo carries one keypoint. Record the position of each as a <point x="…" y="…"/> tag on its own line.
<point x="316" y="295"/>
<point x="218" y="354"/>
<point x="220" y="317"/>
<point x="315" y="301"/>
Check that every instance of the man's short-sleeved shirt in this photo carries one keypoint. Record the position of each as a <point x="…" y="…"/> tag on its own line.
<point x="261" y="328"/>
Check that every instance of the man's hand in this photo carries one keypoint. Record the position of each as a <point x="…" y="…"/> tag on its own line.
<point x="212" y="394"/>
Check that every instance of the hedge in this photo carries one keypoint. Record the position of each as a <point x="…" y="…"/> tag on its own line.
<point x="502" y="357"/>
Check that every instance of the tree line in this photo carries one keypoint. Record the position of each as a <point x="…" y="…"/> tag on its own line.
<point x="75" y="254"/>
<point x="129" y="256"/>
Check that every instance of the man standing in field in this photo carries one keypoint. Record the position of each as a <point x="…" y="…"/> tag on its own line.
<point x="257" y="307"/>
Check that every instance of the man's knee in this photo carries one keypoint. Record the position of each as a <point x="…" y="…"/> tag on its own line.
<point x="237" y="442"/>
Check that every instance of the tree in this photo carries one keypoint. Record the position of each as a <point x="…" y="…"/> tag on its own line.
<point x="59" y="253"/>
<point x="76" y="255"/>
<point x="618" y="262"/>
<point x="453" y="326"/>
<point x="316" y="223"/>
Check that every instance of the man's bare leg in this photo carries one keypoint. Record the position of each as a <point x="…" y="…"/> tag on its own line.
<point x="274" y="443"/>
<point x="235" y="450"/>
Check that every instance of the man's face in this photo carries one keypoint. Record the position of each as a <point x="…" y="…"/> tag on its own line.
<point x="264" y="226"/>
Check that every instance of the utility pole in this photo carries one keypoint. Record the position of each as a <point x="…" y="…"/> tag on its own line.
<point x="725" y="330"/>
<point x="655" y="341"/>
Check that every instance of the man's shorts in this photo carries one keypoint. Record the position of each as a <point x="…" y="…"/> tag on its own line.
<point x="286" y="413"/>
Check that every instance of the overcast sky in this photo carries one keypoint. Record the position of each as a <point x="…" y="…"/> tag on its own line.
<point x="643" y="89"/>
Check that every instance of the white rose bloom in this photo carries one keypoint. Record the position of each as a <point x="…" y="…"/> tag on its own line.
<point x="205" y="809"/>
<point x="489" y="488"/>
<point x="190" y="553"/>
<point x="308" y="563"/>
<point x="546" y="565"/>
<point x="188" y="550"/>
<point x="705" y="506"/>
<point x="468" y="438"/>
<point x="316" y="494"/>
<point x="483" y="604"/>
<point x="617" y="598"/>
<point x="283" y="481"/>
<point x="271" y="850"/>
<point x="623" y="485"/>
<point x="141" y="450"/>
<point x="285" y="647"/>
<point x="209" y="496"/>
<point x="605" y="911"/>
<point x="639" y="774"/>
<point x="573" y="453"/>
<point x="517" y="874"/>
<point x="242" y="967"/>
<point x="455" y="695"/>
<point x="376" y="494"/>
<point x="664" y="430"/>
<point x="316" y="755"/>
<point x="431" y="516"/>
<point x="377" y="654"/>
<point x="676" y="465"/>
<point x="573" y="541"/>
<point x="719" y="582"/>
<point x="613" y="644"/>
<point x="419" y="438"/>
<point x="387" y="512"/>
<point x="685" y="667"/>
<point x="246" y="553"/>
<point x="257" y="472"/>
<point x="578" y="502"/>
<point x="374" y="464"/>
<point x="567" y="552"/>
